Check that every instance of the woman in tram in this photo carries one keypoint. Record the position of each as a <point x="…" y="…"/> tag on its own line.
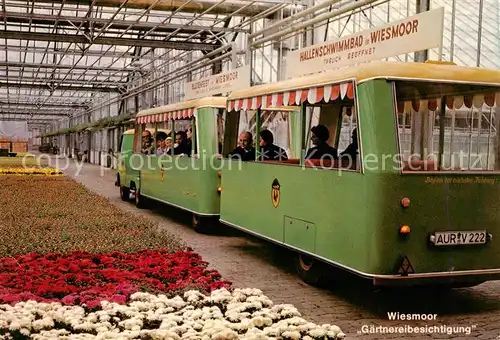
<point x="321" y="149"/>
<point x="160" y="139"/>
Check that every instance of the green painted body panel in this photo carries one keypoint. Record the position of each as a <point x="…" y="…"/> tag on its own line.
<point x="185" y="185"/>
<point x="125" y="170"/>
<point x="353" y="219"/>
<point x="188" y="183"/>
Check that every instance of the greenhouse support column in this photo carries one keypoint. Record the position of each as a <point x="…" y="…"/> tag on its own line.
<point x="249" y="54"/>
<point x="452" y="33"/>
<point x="479" y="33"/>
<point x="234" y="56"/>
<point x="422" y="6"/>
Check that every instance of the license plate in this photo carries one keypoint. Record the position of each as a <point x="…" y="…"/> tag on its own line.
<point x="457" y="238"/>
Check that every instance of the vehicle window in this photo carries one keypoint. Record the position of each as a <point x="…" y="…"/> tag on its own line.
<point x="137" y="137"/>
<point x="236" y="123"/>
<point x="275" y="136"/>
<point x="120" y="143"/>
<point x="185" y="136"/>
<point x="221" y="119"/>
<point x="331" y="139"/>
<point x="460" y="136"/>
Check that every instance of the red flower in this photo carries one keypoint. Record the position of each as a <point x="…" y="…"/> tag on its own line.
<point x="80" y="277"/>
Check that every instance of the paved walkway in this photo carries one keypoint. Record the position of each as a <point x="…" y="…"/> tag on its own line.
<point x="350" y="304"/>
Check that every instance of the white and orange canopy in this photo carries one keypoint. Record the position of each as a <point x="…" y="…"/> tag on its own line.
<point x="181" y="110"/>
<point x="340" y="84"/>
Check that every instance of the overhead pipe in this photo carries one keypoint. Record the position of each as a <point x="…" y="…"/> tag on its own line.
<point x="208" y="55"/>
<point x="171" y="5"/>
<point x="301" y="14"/>
<point x="177" y="75"/>
<point x="312" y="22"/>
<point x="265" y="13"/>
<point x="344" y="16"/>
<point x="165" y="80"/>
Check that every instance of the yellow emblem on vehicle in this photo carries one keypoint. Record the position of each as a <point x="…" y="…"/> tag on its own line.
<point x="275" y="193"/>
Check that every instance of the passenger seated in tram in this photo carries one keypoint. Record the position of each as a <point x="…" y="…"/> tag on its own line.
<point x="189" y="134"/>
<point x="160" y="140"/>
<point x="352" y="150"/>
<point x="181" y="146"/>
<point x="244" y="151"/>
<point x="321" y="150"/>
<point x="168" y="145"/>
<point x="147" y="143"/>
<point x="268" y="150"/>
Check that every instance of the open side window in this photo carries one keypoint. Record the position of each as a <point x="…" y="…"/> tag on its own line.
<point x="447" y="127"/>
<point x="331" y="138"/>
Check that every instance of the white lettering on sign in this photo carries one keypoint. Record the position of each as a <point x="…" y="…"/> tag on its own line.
<point x="419" y="32"/>
<point x="220" y="83"/>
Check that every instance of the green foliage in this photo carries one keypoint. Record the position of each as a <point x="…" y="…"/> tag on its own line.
<point x="103" y="123"/>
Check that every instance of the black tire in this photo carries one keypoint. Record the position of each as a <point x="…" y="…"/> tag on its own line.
<point x="310" y="270"/>
<point x="140" y="201"/>
<point x="124" y="193"/>
<point x="203" y="224"/>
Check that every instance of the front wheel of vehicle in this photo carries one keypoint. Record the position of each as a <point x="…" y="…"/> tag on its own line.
<point x="124" y="193"/>
<point x="140" y="201"/>
<point x="203" y="224"/>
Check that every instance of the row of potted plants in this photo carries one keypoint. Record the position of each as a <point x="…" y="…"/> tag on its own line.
<point x="100" y="124"/>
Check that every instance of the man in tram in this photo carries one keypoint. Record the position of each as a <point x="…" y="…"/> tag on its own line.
<point x="244" y="151"/>
<point x="182" y="146"/>
<point x="351" y="151"/>
<point x="268" y="150"/>
<point x="147" y="143"/>
<point x="321" y="149"/>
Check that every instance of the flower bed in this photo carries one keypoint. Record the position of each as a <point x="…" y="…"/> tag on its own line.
<point x="57" y="214"/>
<point x="26" y="165"/>
<point x="84" y="269"/>
<point x="242" y="314"/>
<point x="22" y="162"/>
<point x="84" y="278"/>
<point x="31" y="171"/>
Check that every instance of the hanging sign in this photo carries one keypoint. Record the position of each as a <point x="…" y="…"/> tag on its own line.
<point x="236" y="79"/>
<point x="416" y="33"/>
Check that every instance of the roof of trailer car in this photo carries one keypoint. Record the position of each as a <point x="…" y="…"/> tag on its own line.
<point x="132" y="131"/>
<point x="219" y="102"/>
<point x="378" y="70"/>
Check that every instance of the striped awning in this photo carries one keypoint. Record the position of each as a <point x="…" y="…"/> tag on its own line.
<point x="457" y="102"/>
<point x="311" y="95"/>
<point x="163" y="117"/>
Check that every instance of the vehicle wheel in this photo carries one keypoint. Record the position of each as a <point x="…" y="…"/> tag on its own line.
<point x="124" y="193"/>
<point x="140" y="201"/>
<point x="203" y="224"/>
<point x="311" y="271"/>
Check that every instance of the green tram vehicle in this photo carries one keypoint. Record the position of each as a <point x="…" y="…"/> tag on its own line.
<point x="126" y="174"/>
<point x="190" y="181"/>
<point x="415" y="206"/>
<point x="176" y="179"/>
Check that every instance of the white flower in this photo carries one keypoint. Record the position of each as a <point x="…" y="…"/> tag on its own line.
<point x="317" y="332"/>
<point x="194" y="316"/>
<point x="291" y="335"/>
<point x="15" y="325"/>
<point x="25" y="331"/>
<point x="164" y="334"/>
<point x="226" y="334"/>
